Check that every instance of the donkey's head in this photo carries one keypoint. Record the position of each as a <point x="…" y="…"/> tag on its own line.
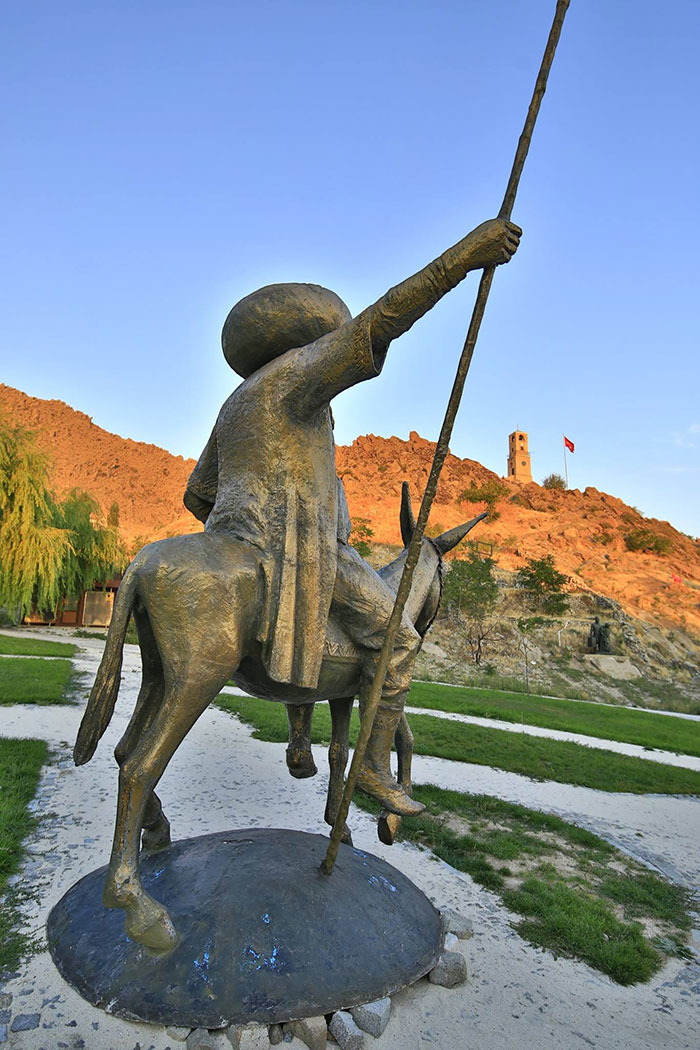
<point x="428" y="577"/>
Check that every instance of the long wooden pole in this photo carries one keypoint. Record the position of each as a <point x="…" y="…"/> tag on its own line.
<point x="441" y="449"/>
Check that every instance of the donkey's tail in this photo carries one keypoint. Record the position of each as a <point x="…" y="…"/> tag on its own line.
<point x="103" y="697"/>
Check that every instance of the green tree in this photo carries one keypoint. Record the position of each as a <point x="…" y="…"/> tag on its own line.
<point x="470" y="592"/>
<point x="48" y="549"/>
<point x="361" y="533"/>
<point x="97" y="551"/>
<point x="554" y="481"/>
<point x="544" y="585"/>
<point x="489" y="492"/>
<point x="33" y="546"/>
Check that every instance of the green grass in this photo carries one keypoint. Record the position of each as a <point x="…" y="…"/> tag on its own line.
<point x="530" y="756"/>
<point x="20" y="766"/>
<point x="558" y="877"/>
<point x="17" y="645"/>
<point x="31" y="681"/>
<point x="608" y="723"/>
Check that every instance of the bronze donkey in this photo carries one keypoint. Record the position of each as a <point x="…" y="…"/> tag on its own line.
<point x="194" y="600"/>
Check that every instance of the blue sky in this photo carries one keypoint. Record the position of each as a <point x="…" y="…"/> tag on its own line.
<point x="161" y="160"/>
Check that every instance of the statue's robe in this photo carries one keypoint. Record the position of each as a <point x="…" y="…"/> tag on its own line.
<point x="269" y="471"/>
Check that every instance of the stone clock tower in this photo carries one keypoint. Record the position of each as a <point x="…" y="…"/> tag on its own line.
<point x="519" y="457"/>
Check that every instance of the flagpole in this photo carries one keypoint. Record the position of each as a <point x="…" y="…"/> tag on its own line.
<point x="441" y="450"/>
<point x="566" y="469"/>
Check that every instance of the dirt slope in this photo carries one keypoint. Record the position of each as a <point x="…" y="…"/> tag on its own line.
<point x="585" y="531"/>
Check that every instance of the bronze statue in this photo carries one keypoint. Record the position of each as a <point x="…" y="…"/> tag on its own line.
<point x="599" y="637"/>
<point x="272" y="579"/>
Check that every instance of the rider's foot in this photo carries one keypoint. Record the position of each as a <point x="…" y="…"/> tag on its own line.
<point x="375" y="777"/>
<point x="300" y="762"/>
<point x="386" y="790"/>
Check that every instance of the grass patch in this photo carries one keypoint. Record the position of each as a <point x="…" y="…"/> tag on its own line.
<point x="535" y="757"/>
<point x="608" y="723"/>
<point x="576" y="894"/>
<point x="31" y="681"/>
<point x="17" y="645"/>
<point x="20" y="766"/>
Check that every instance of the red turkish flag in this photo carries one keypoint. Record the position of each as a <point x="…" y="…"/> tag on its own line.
<point x="569" y="444"/>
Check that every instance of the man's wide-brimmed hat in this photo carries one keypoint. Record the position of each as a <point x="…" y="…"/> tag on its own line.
<point x="278" y="318"/>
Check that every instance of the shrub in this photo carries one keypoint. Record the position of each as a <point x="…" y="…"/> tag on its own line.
<point x="361" y="533"/>
<point x="554" y="481"/>
<point x="647" y="541"/>
<point x="489" y="492"/>
<point x="544" y="585"/>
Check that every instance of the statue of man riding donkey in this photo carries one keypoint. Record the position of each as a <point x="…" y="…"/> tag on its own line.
<point x="271" y="594"/>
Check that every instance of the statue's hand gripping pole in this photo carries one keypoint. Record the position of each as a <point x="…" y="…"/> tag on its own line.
<point x="442" y="447"/>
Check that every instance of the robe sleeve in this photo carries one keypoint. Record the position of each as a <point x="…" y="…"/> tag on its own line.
<point x="400" y="307"/>
<point x="309" y="377"/>
<point x="357" y="351"/>
<point x="200" y="494"/>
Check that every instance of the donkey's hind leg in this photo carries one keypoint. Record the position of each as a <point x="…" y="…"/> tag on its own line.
<point x="300" y="760"/>
<point x="148" y="921"/>
<point x="156" y="826"/>
<point x="341" y="711"/>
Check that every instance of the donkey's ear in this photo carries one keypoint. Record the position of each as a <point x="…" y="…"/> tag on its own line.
<point x="407" y="519"/>
<point x="450" y="539"/>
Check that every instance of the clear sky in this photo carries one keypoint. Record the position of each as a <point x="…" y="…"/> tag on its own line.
<point x="163" y="159"/>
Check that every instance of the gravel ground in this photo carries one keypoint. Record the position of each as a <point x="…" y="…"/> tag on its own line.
<point x="517" y="996"/>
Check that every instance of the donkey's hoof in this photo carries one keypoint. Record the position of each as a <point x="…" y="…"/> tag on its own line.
<point x="300" y="763"/>
<point x="157" y="837"/>
<point x="387" y="791"/>
<point x="149" y="923"/>
<point x="387" y="827"/>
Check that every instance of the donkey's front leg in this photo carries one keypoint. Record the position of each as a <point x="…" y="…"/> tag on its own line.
<point x="341" y="712"/>
<point x="389" y="823"/>
<point x="300" y="760"/>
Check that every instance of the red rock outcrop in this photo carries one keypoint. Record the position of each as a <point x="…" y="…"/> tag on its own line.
<point x="584" y="531"/>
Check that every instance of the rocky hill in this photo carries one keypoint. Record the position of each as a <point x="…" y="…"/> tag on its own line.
<point x="585" y="531"/>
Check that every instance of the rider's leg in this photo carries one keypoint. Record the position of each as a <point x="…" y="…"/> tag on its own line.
<point x="363" y="604"/>
<point x="300" y="760"/>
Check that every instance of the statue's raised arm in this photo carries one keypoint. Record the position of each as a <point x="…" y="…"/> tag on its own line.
<point x="355" y="351"/>
<point x="491" y="243"/>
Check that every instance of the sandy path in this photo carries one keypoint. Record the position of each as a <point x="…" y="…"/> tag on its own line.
<point x="518" y="997"/>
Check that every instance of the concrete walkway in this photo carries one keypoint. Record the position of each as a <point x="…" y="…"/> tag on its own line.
<point x="518" y="997"/>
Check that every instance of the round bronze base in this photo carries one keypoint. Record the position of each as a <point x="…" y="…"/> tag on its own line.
<point x="264" y="935"/>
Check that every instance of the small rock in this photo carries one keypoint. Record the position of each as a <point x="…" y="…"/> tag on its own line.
<point x="201" y="1039"/>
<point x="373" y="1017"/>
<point x="3" y="1033"/>
<point x="311" y="1030"/>
<point x="25" y="1022"/>
<point x="5" y="1000"/>
<point x="275" y="1034"/>
<point x="453" y="922"/>
<point x="251" y="1037"/>
<point x="345" y="1031"/>
<point x="450" y="970"/>
<point x="451" y="942"/>
<point x="178" y="1033"/>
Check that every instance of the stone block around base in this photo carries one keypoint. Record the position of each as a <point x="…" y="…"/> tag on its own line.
<point x="450" y="971"/>
<point x="345" y="1032"/>
<point x="453" y="922"/>
<point x="313" y="1031"/>
<point x="373" y="1017"/>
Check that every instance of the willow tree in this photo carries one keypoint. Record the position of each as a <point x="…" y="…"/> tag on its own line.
<point x="96" y="552"/>
<point x="48" y="549"/>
